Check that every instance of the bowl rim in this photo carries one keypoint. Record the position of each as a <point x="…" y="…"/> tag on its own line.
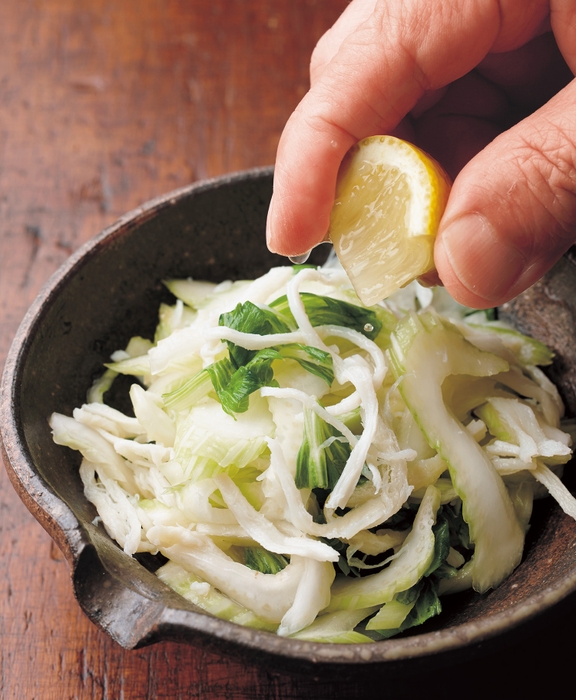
<point x="170" y="622"/>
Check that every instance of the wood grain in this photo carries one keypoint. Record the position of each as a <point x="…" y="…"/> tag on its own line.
<point x="103" y="105"/>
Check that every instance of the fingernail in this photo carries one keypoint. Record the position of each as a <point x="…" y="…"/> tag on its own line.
<point x="484" y="262"/>
<point x="430" y="279"/>
<point x="270" y="227"/>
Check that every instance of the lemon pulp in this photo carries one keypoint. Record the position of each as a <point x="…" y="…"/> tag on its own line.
<point x="389" y="200"/>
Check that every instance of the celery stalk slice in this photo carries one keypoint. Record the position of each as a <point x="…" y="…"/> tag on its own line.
<point x="425" y="350"/>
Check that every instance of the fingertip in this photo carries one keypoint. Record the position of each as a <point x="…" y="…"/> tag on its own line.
<point x="271" y="237"/>
<point x="295" y="224"/>
<point x="309" y="155"/>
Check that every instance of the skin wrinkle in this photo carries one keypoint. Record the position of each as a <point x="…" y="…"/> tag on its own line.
<point x="554" y="170"/>
<point x="412" y="40"/>
<point x="511" y="216"/>
<point x="364" y="108"/>
<point x="408" y="53"/>
<point x="526" y="239"/>
<point x="518" y="22"/>
<point x="329" y="44"/>
<point x="363" y="42"/>
<point x="476" y="47"/>
<point x="558" y="173"/>
<point x="543" y="156"/>
<point x="377" y="109"/>
<point x="318" y="125"/>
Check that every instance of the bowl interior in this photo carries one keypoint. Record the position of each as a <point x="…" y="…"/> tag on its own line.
<point x="109" y="291"/>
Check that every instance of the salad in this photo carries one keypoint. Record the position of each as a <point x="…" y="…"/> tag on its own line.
<point x="306" y="465"/>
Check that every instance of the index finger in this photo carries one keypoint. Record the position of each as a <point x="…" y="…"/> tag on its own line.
<point x="376" y="76"/>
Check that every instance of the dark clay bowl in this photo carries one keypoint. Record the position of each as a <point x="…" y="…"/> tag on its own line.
<point x="110" y="290"/>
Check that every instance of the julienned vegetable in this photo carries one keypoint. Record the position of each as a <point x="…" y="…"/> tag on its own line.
<point x="320" y="469"/>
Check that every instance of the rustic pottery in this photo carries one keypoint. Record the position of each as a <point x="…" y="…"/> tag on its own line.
<point x="108" y="291"/>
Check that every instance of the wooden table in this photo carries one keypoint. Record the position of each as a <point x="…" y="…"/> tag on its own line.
<point x="103" y="105"/>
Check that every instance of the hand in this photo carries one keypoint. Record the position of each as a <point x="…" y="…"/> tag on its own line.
<point x="486" y="88"/>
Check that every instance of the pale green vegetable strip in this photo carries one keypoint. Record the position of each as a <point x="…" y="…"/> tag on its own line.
<point x="513" y="421"/>
<point x="404" y="571"/>
<point x="462" y="581"/>
<point x="207" y="432"/>
<point x="193" y="292"/>
<point x="205" y="596"/>
<point x="337" y="627"/>
<point x="189" y="393"/>
<point x="133" y="366"/>
<point x="507" y="342"/>
<point x="425" y="351"/>
<point x="101" y="386"/>
<point x="349" y="637"/>
<point x="390" y="616"/>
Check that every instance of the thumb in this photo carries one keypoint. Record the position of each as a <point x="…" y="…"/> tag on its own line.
<point x="512" y="209"/>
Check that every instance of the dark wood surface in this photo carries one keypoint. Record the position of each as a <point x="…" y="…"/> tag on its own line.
<point x="105" y="104"/>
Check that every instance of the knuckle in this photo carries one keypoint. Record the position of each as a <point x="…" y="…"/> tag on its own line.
<point x="321" y="55"/>
<point x="547" y="160"/>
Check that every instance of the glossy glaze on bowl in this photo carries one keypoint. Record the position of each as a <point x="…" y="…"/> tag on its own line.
<point x="110" y="290"/>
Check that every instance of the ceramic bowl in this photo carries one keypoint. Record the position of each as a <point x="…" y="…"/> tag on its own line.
<point x="110" y="290"/>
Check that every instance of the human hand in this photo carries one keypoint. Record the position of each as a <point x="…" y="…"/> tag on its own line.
<point x="486" y="88"/>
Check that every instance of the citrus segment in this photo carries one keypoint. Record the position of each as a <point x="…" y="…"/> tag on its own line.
<point x="390" y="197"/>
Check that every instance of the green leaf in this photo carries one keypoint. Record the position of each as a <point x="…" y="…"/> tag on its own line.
<point x="322" y="455"/>
<point x="312" y="359"/>
<point x="304" y="266"/>
<point x="220" y="374"/>
<point x="260" y="559"/>
<point x="441" y="532"/>
<point x="427" y="605"/>
<point x="323" y="311"/>
<point x="459" y="531"/>
<point x="410" y="595"/>
<point x="234" y="386"/>
<point x="249" y="318"/>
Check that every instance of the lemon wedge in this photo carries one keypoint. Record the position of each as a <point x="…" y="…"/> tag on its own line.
<point x="390" y="197"/>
